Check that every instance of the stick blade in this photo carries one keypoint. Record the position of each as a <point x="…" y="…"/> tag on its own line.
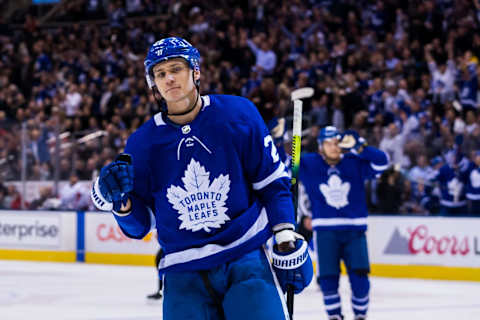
<point x="302" y="93"/>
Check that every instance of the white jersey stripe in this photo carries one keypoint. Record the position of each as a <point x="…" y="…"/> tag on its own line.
<point x="211" y="249"/>
<point x="473" y="196"/>
<point x="377" y="167"/>
<point x="452" y="204"/>
<point x="279" y="173"/>
<point x="324" y="222"/>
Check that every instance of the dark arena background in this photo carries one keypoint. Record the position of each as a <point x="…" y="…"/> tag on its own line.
<point x="401" y="73"/>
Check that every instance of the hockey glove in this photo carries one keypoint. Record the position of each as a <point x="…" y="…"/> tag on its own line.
<point x="111" y="188"/>
<point x="352" y="142"/>
<point x="291" y="261"/>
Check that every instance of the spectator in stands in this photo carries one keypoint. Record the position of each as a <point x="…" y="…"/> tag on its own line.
<point x="65" y="169"/>
<point x="41" y="203"/>
<point x="73" y="195"/>
<point x="13" y="198"/>
<point x="266" y="59"/>
<point x="421" y="172"/>
<point x="319" y="112"/>
<point x="393" y="144"/>
<point x="412" y="67"/>
<point x="442" y="72"/>
<point x="3" y="194"/>
<point x="390" y="191"/>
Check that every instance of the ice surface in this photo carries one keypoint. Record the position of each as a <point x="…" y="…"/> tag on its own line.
<point x="51" y="291"/>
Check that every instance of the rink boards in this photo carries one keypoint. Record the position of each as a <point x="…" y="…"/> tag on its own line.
<point x="411" y="247"/>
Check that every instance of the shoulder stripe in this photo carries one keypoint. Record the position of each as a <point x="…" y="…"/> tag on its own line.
<point x="279" y="173"/>
<point x="158" y="119"/>
<point x="206" y="101"/>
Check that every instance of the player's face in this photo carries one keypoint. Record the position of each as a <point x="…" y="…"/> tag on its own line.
<point x="331" y="150"/>
<point x="173" y="79"/>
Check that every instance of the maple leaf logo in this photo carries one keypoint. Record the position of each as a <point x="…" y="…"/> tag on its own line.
<point x="335" y="191"/>
<point x="200" y="205"/>
<point x="455" y="189"/>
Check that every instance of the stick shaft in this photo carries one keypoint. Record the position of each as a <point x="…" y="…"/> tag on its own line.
<point x="296" y="150"/>
<point x="296" y="141"/>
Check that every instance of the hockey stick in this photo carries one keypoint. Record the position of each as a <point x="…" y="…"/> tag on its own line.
<point x="296" y="97"/>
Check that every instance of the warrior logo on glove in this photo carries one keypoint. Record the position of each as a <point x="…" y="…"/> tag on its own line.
<point x="293" y="268"/>
<point x="293" y="260"/>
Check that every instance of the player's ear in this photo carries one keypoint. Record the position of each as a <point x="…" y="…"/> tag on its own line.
<point x="196" y="75"/>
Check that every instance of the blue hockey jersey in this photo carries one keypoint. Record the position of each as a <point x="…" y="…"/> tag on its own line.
<point x="452" y="186"/>
<point x="337" y="193"/>
<point x="469" y="88"/>
<point x="215" y="186"/>
<point x="473" y="183"/>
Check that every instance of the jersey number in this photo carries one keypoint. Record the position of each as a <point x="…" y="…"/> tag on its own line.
<point x="268" y="140"/>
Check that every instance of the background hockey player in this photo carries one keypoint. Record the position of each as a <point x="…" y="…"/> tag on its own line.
<point x="473" y="185"/>
<point x="452" y="178"/>
<point x="334" y="184"/>
<point x="206" y="173"/>
<point x="157" y="295"/>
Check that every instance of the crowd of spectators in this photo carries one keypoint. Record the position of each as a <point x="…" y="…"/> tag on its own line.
<point x="404" y="74"/>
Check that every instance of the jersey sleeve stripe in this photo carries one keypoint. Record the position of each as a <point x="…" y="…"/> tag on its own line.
<point x="381" y="167"/>
<point x="473" y="196"/>
<point x="377" y="167"/>
<point x="279" y="173"/>
<point x="191" y="254"/>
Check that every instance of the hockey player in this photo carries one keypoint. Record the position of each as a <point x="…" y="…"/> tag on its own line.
<point x="206" y="169"/>
<point x="473" y="185"/>
<point x="157" y="295"/>
<point x="452" y="177"/>
<point x="334" y="184"/>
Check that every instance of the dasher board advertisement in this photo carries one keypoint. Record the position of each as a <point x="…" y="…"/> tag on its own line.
<point x="102" y="234"/>
<point x="436" y="241"/>
<point x="30" y="230"/>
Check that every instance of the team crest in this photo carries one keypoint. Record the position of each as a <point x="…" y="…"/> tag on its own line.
<point x="335" y="192"/>
<point x="200" y="205"/>
<point x="455" y="188"/>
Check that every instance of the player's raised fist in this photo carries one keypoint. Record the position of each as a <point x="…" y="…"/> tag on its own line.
<point x="111" y="188"/>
